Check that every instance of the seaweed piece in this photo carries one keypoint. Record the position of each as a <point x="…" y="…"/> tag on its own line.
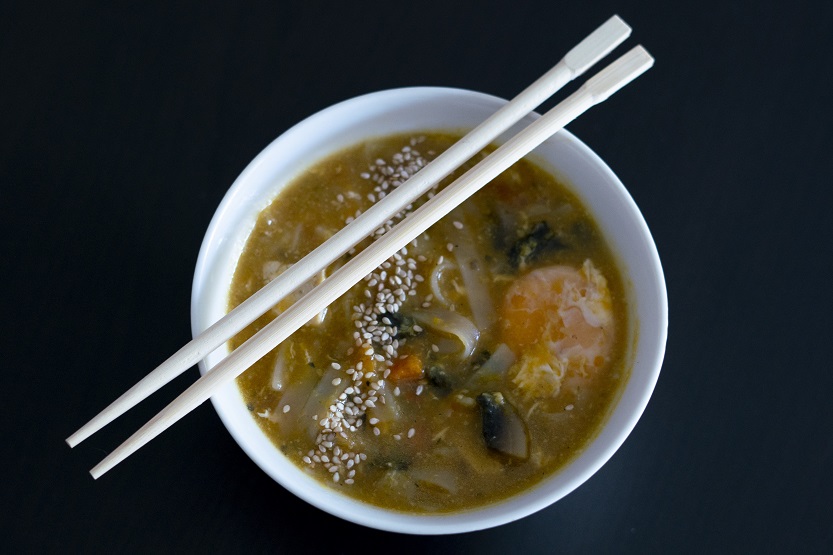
<point x="440" y="379"/>
<point x="503" y="429"/>
<point x="538" y="242"/>
<point x="403" y="323"/>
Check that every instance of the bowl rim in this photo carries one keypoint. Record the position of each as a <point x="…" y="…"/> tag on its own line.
<point x="515" y="507"/>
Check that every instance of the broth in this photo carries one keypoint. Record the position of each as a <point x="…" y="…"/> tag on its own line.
<point x="473" y="364"/>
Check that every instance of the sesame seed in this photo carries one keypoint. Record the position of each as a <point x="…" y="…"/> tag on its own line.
<point x="458" y="225"/>
<point x="286" y="408"/>
<point x="336" y="381"/>
<point x="411" y="433"/>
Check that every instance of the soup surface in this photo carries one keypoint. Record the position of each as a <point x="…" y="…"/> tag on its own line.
<point x="471" y="365"/>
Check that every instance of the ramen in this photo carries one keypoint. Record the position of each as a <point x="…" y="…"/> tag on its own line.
<point x="474" y="363"/>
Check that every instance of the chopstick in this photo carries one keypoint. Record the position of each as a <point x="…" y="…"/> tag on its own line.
<point x="595" y="90"/>
<point x="590" y="50"/>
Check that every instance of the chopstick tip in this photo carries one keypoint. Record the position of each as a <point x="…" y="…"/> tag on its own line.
<point x="618" y="21"/>
<point x="97" y="472"/>
<point x="597" y="45"/>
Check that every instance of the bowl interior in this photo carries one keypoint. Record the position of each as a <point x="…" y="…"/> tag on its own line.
<point x="416" y="110"/>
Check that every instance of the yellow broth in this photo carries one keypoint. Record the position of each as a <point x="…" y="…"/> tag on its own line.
<point x="419" y="444"/>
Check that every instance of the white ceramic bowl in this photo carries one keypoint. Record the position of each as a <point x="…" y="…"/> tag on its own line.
<point x="415" y="110"/>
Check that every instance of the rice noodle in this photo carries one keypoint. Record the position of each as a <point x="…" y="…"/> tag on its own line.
<point x="452" y="323"/>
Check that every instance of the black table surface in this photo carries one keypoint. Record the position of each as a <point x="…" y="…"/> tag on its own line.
<point x="123" y="125"/>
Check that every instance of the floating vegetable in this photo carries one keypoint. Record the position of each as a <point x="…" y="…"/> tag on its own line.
<point x="534" y="245"/>
<point x="503" y="429"/>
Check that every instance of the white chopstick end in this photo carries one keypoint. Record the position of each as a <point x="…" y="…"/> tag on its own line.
<point x="628" y="67"/>
<point x="597" y="45"/>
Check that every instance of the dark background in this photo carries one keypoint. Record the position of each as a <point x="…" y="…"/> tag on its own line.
<point x="122" y="126"/>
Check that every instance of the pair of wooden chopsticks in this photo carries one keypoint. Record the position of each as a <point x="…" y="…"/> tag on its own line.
<point x="597" y="89"/>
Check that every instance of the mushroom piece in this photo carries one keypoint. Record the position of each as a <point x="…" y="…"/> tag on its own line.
<point x="503" y="429"/>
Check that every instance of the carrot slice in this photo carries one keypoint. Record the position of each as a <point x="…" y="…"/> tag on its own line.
<point x="407" y="368"/>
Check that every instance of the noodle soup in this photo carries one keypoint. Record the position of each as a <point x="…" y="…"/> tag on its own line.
<point x="476" y="362"/>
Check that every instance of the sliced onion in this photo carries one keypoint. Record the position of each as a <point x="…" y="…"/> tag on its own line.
<point x="480" y="301"/>
<point x="434" y="280"/>
<point x="451" y="323"/>
<point x="440" y="478"/>
<point x="279" y="371"/>
<point x="493" y="369"/>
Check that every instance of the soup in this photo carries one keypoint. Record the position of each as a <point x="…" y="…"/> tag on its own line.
<point x="471" y="365"/>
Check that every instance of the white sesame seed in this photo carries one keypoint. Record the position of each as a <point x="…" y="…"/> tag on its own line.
<point x="458" y="225"/>
<point x="419" y="389"/>
<point x="411" y="433"/>
<point x="376" y="431"/>
<point x="336" y="381"/>
<point x="286" y="408"/>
